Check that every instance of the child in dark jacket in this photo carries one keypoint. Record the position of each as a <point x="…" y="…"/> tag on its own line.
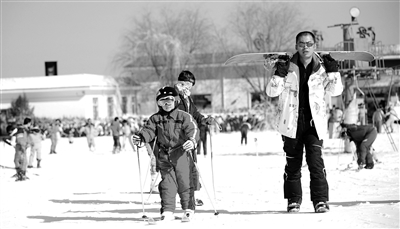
<point x="176" y="136"/>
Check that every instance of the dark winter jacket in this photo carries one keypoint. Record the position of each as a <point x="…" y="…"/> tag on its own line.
<point x="358" y="133"/>
<point x="172" y="129"/>
<point x="21" y="134"/>
<point x="192" y="109"/>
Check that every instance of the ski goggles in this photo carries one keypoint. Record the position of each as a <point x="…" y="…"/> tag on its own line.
<point x="166" y="101"/>
<point x="304" y="44"/>
<point x="184" y="85"/>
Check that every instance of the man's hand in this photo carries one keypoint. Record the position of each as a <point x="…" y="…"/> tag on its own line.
<point x="282" y="68"/>
<point x="331" y="65"/>
<point x="136" y="140"/>
<point x="188" y="145"/>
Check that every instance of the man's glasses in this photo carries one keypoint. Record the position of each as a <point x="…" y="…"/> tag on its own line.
<point x="185" y="84"/>
<point x="302" y="44"/>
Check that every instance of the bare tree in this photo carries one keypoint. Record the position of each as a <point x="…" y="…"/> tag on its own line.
<point x="264" y="27"/>
<point x="164" y="46"/>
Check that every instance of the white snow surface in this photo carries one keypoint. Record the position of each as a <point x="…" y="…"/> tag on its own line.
<point x="76" y="188"/>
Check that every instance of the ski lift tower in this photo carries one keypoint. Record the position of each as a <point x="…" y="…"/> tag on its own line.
<point x="348" y="40"/>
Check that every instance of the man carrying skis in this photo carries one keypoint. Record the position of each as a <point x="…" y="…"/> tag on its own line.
<point x="301" y="84"/>
<point x="176" y="135"/>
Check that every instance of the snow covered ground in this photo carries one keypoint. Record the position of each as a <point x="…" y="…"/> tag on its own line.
<point x="77" y="188"/>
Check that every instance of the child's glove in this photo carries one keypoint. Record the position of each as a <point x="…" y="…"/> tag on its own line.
<point x="331" y="65"/>
<point x="188" y="145"/>
<point x="136" y="139"/>
<point x="209" y="120"/>
<point x="282" y="68"/>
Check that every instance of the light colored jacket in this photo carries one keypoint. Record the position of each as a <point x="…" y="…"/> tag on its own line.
<point x="287" y="89"/>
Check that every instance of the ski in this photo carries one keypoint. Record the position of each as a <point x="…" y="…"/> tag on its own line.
<point x="257" y="57"/>
<point x="261" y="58"/>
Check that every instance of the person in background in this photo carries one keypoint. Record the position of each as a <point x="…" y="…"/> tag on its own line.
<point x="204" y="130"/>
<point x="377" y="119"/>
<point x="55" y="135"/>
<point x="35" y="139"/>
<point x="116" y="132"/>
<point x="91" y="133"/>
<point x="362" y="114"/>
<point x="126" y="134"/>
<point x="301" y="83"/>
<point x="20" y="141"/>
<point x="390" y="116"/>
<point x="244" y="129"/>
<point x="363" y="136"/>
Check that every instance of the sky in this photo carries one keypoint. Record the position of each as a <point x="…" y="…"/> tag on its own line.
<point x="83" y="36"/>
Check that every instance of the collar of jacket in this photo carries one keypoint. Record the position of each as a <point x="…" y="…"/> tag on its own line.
<point x="172" y="113"/>
<point x="295" y="68"/>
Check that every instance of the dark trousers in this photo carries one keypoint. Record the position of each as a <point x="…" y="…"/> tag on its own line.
<point x="244" y="137"/>
<point x="202" y="144"/>
<point x="307" y="138"/>
<point x="175" y="171"/>
<point x="20" y="158"/>
<point x="117" y="143"/>
<point x="364" y="148"/>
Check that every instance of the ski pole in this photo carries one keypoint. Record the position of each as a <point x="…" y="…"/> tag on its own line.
<point x="212" y="166"/>
<point x="151" y="191"/>
<point x="141" y="189"/>
<point x="197" y="168"/>
<point x="151" y="154"/>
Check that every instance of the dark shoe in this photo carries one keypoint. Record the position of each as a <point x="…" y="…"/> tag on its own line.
<point x="369" y="166"/>
<point x="321" y="207"/>
<point x="30" y="166"/>
<point x="199" y="202"/>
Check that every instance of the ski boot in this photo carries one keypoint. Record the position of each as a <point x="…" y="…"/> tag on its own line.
<point x="187" y="216"/>
<point x="30" y="166"/>
<point x="293" y="205"/>
<point x="321" y="207"/>
<point x="38" y="163"/>
<point x="199" y="202"/>
<point x="167" y="216"/>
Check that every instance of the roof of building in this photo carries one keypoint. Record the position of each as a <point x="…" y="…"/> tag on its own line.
<point x="59" y="81"/>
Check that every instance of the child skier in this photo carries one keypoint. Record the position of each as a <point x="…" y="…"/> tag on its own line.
<point x="176" y="135"/>
<point x="35" y="139"/>
<point x="20" y="141"/>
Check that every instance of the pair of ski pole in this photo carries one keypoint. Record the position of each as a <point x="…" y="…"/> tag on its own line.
<point x="151" y="220"/>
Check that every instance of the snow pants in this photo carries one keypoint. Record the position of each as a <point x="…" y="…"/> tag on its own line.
<point x="37" y="149"/>
<point x="175" y="168"/>
<point x="306" y="137"/>
<point x="54" y="141"/>
<point x="364" y="148"/>
<point x="20" y="158"/>
<point x="90" y="142"/>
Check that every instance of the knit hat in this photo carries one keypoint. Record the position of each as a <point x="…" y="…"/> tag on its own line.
<point x="187" y="76"/>
<point x="165" y="92"/>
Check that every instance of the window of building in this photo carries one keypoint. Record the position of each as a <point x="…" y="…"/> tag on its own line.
<point x="95" y="108"/>
<point x="124" y="105"/>
<point x="110" y="106"/>
<point x="202" y="101"/>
